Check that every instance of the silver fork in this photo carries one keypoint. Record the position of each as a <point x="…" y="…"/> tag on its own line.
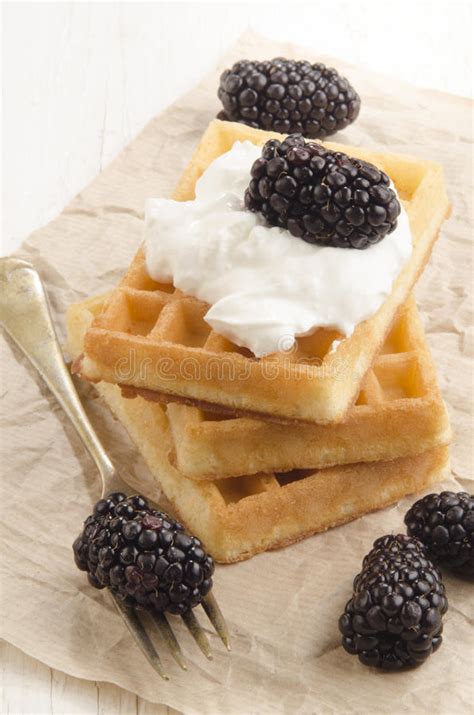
<point x="25" y="315"/>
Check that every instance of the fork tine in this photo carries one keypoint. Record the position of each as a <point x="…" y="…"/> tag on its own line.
<point x="214" y="614"/>
<point x="140" y="635"/>
<point x="169" y="638"/>
<point x="197" y="633"/>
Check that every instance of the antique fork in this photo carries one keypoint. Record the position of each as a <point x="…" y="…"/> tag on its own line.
<point x="25" y="315"/>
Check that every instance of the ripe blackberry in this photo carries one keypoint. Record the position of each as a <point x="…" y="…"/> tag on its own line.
<point x="445" y="524"/>
<point x="394" y="618"/>
<point x="288" y="96"/>
<point x="322" y="196"/>
<point x="143" y="556"/>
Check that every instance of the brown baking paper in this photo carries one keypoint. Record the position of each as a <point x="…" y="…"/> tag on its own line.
<point x="282" y="607"/>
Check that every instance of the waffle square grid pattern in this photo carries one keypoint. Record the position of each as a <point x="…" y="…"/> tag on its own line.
<point x="238" y="518"/>
<point x="152" y="339"/>
<point x="399" y="411"/>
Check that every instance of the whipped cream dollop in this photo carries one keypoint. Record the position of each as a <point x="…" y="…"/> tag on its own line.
<point x="265" y="286"/>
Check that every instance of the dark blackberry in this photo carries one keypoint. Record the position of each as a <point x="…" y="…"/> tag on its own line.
<point x="394" y="618"/>
<point x="445" y="524"/>
<point x="143" y="556"/>
<point x="288" y="96"/>
<point x="322" y="196"/>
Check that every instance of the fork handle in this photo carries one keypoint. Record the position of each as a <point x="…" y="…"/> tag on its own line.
<point x="25" y="315"/>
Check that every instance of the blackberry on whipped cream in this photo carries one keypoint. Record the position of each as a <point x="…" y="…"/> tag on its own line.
<point x="265" y="287"/>
<point x="322" y="196"/>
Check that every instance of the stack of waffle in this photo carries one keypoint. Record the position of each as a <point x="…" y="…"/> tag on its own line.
<point x="254" y="453"/>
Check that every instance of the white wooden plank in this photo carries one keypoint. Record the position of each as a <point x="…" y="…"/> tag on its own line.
<point x="29" y="687"/>
<point x="113" y="700"/>
<point x="72" y="696"/>
<point x="146" y="708"/>
<point x="25" y="683"/>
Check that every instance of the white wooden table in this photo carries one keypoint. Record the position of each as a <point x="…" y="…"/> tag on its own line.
<point x="93" y="75"/>
<point x="31" y="688"/>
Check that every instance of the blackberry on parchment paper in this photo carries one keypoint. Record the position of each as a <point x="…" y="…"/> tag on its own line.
<point x="288" y="96"/>
<point x="143" y="556"/>
<point x="322" y="196"/>
<point x="394" y="618"/>
<point x="445" y="524"/>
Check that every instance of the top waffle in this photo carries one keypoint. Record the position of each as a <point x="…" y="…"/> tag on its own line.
<point x="153" y="340"/>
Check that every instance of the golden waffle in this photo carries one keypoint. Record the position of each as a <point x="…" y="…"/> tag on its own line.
<point x="237" y="518"/>
<point x="399" y="412"/>
<point x="153" y="338"/>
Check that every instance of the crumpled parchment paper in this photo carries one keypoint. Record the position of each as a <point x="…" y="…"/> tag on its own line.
<point x="282" y="607"/>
